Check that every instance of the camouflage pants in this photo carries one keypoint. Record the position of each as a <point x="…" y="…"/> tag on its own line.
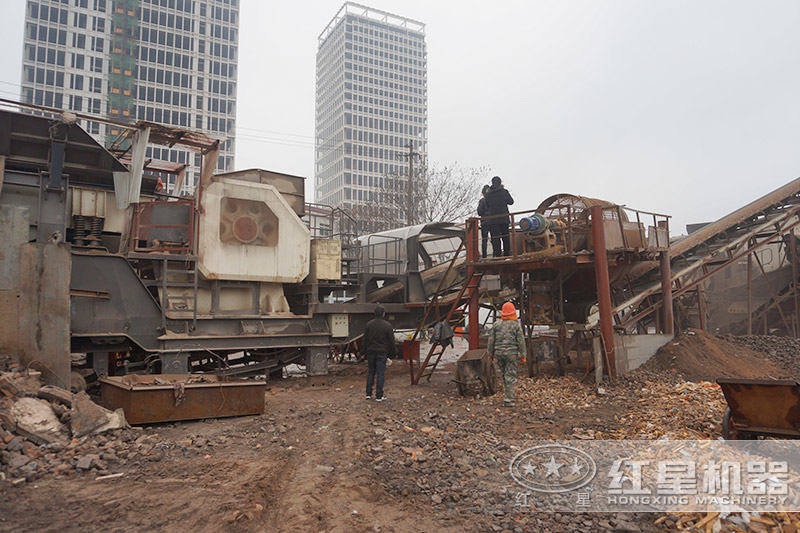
<point x="507" y="365"/>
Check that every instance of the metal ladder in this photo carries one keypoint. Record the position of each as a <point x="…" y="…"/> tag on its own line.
<point x="167" y="300"/>
<point x="471" y="284"/>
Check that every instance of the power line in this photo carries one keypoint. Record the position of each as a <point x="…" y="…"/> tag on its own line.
<point x="281" y="138"/>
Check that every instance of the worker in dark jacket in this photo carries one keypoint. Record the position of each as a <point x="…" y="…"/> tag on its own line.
<point x="497" y="201"/>
<point x="378" y="345"/>
<point x="482" y="212"/>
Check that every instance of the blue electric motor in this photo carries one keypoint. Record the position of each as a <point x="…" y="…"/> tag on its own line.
<point x="534" y="224"/>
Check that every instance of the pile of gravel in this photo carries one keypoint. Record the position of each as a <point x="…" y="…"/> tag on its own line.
<point x="785" y="351"/>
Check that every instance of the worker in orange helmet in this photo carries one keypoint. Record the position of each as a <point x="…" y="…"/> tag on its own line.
<point x="506" y="345"/>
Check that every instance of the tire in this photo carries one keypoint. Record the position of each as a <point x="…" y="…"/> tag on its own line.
<point x="490" y="380"/>
<point x="728" y="430"/>
<point x="462" y="388"/>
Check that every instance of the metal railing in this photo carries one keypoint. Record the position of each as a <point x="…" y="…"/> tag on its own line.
<point x="571" y="229"/>
<point x="382" y="255"/>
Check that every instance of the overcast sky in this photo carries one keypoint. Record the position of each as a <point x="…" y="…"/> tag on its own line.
<point x="690" y="108"/>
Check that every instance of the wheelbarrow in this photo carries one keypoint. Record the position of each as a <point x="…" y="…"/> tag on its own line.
<point x="760" y="407"/>
<point x="474" y="366"/>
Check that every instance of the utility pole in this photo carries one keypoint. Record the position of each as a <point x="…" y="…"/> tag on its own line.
<point x="410" y="208"/>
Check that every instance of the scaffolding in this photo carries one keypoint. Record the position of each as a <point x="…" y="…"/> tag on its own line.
<point x="122" y="63"/>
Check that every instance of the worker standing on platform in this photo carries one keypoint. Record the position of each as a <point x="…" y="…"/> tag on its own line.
<point x="378" y="345"/>
<point x="497" y="201"/>
<point x="506" y="345"/>
<point x="483" y="211"/>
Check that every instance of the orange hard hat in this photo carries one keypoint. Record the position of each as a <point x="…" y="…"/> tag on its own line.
<point x="508" y="310"/>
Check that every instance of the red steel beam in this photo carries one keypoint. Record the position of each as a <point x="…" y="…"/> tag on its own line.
<point x="666" y="290"/>
<point x="603" y="289"/>
<point x="474" y="302"/>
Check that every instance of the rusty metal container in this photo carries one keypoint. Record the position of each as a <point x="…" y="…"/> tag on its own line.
<point x="411" y="350"/>
<point x="761" y="407"/>
<point x="475" y="366"/>
<point x="169" y="397"/>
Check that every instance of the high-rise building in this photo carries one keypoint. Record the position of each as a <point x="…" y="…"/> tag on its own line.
<point x="168" y="61"/>
<point x="371" y="104"/>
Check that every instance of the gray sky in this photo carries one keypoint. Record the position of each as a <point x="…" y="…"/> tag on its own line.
<point x="690" y="108"/>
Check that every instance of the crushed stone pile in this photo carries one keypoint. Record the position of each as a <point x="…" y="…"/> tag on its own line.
<point x="696" y="355"/>
<point x="459" y="461"/>
<point x="784" y="351"/>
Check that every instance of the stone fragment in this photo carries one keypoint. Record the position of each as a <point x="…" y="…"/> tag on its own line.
<point x="56" y="394"/>
<point x="87" y="417"/>
<point x="18" y="461"/>
<point x="85" y="462"/>
<point x="36" y="421"/>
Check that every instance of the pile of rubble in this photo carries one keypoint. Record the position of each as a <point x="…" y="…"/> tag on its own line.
<point x="48" y="429"/>
<point x="457" y="458"/>
<point x="785" y="351"/>
<point x="646" y="406"/>
<point x="716" y="521"/>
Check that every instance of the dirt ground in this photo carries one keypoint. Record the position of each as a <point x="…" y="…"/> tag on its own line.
<point x="309" y="463"/>
<point x="322" y="458"/>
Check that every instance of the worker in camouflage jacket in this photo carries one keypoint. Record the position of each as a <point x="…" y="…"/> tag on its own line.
<point x="506" y="345"/>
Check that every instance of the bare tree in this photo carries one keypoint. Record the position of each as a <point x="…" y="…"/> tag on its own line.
<point x="447" y="193"/>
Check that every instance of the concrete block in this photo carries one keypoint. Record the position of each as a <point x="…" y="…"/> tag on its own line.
<point x="632" y="351"/>
<point x="44" y="311"/>
<point x="14" y="230"/>
<point x="37" y="422"/>
<point x="317" y="361"/>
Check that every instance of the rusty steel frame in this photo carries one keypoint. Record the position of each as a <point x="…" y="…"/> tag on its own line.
<point x="796" y="298"/>
<point x="749" y="294"/>
<point x="433" y="303"/>
<point x="474" y="302"/>
<point x="137" y="226"/>
<point x="566" y="232"/>
<point x="733" y="251"/>
<point x="785" y="195"/>
<point x="668" y="326"/>
<point x="603" y="291"/>
<point x="764" y="310"/>
<point x="771" y="291"/>
<point x="599" y="212"/>
<point x="457" y="303"/>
